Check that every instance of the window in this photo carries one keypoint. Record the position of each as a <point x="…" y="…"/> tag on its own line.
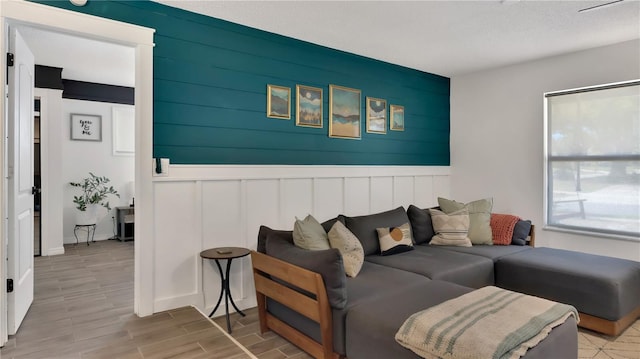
<point x="592" y="153"/>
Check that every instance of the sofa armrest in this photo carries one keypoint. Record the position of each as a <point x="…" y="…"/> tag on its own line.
<point x="532" y="236"/>
<point x="265" y="270"/>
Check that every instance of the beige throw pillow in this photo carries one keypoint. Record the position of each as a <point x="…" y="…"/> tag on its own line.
<point x="309" y="234"/>
<point x="479" y="217"/>
<point x="341" y="238"/>
<point x="451" y="229"/>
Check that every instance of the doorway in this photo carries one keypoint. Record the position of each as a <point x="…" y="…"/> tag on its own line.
<point x="141" y="39"/>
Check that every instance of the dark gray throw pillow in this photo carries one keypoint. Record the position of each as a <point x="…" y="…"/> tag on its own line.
<point x="421" y="225"/>
<point x="364" y="227"/>
<point x="327" y="262"/>
<point x="521" y="232"/>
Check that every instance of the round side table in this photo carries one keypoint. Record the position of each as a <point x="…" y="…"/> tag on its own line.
<point x="91" y="231"/>
<point x="228" y="253"/>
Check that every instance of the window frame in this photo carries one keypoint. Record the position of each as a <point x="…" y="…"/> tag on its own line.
<point x="549" y="160"/>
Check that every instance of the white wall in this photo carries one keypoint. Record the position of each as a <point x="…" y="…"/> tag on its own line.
<point x="81" y="157"/>
<point x="497" y="135"/>
<point x="200" y="207"/>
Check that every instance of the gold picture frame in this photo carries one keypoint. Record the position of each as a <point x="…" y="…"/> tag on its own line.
<point x="344" y="113"/>
<point x="396" y="118"/>
<point x="376" y="115"/>
<point x="308" y="106"/>
<point x="279" y="102"/>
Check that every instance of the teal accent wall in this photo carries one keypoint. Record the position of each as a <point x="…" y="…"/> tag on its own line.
<point x="210" y="81"/>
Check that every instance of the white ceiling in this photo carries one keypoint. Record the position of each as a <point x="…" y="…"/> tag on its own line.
<point x="442" y="37"/>
<point x="82" y="59"/>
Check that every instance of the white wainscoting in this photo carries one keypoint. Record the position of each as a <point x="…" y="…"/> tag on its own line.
<point x="200" y="207"/>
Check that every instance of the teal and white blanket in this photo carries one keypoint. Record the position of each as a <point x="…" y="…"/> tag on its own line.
<point x="487" y="323"/>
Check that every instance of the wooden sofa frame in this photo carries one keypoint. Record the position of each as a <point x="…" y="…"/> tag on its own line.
<point x="318" y="309"/>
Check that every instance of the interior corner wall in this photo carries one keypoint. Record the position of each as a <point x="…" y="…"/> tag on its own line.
<point x="497" y="135"/>
<point x="81" y="157"/>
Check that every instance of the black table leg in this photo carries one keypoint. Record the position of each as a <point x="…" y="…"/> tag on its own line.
<point x="225" y="291"/>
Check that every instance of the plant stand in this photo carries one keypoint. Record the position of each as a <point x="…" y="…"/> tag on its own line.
<point x="91" y="231"/>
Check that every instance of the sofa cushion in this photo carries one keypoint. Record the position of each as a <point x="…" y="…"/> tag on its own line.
<point x="479" y="217"/>
<point x="327" y="263"/>
<point x="364" y="227"/>
<point x="451" y="229"/>
<point x="395" y="239"/>
<point x="435" y="263"/>
<point x="341" y="238"/>
<point x="361" y="289"/>
<point x="491" y="252"/>
<point x="265" y="231"/>
<point x="308" y="233"/>
<point x="600" y="286"/>
<point x="521" y="232"/>
<point x="421" y="226"/>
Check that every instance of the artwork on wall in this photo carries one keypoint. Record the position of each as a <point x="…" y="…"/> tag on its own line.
<point x="344" y="112"/>
<point x="396" y="122"/>
<point x="278" y="102"/>
<point x="308" y="106"/>
<point x="376" y="115"/>
<point x="86" y="127"/>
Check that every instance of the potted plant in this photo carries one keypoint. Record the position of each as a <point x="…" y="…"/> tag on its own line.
<point x="95" y="194"/>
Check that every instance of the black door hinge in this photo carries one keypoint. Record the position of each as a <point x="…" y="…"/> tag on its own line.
<point x="9" y="285"/>
<point x="9" y="59"/>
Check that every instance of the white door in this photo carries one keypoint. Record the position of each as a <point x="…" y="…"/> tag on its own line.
<point x="20" y="181"/>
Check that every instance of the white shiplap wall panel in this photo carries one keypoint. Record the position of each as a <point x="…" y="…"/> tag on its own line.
<point x="200" y="207"/>
<point x="356" y="196"/>
<point x="262" y="198"/>
<point x="403" y="191"/>
<point x="221" y="214"/>
<point x="328" y="198"/>
<point x="423" y="196"/>
<point x="296" y="196"/>
<point x="176" y="238"/>
<point x="381" y="196"/>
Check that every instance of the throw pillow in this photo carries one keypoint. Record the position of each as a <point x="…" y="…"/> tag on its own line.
<point x="421" y="227"/>
<point x="349" y="246"/>
<point x="451" y="229"/>
<point x="309" y="234"/>
<point x="395" y="239"/>
<point x="521" y="232"/>
<point x="479" y="217"/>
<point x="502" y="226"/>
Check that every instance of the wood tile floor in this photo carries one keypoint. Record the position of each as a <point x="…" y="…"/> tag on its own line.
<point x="83" y="308"/>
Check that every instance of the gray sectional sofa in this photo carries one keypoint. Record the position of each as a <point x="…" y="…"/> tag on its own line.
<point x="306" y="297"/>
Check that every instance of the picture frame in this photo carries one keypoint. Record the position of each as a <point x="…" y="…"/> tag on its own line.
<point x="344" y="112"/>
<point x="396" y="118"/>
<point x="278" y="102"/>
<point x="308" y="106"/>
<point x="376" y="115"/>
<point x="86" y="127"/>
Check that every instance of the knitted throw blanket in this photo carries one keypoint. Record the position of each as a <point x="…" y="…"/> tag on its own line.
<point x="487" y="323"/>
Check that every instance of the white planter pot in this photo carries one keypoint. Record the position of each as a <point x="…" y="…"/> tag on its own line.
<point x="90" y="216"/>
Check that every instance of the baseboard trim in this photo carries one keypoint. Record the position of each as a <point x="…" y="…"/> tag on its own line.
<point x="55" y="251"/>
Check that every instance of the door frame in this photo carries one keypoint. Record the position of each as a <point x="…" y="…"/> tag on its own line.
<point x="97" y="28"/>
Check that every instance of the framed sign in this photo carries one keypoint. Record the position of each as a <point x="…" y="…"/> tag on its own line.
<point x="86" y="127"/>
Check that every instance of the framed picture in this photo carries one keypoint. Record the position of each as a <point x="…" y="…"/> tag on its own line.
<point x="86" y="127"/>
<point x="344" y="112"/>
<point x="278" y="102"/>
<point x="376" y="115"/>
<point x="396" y="122"/>
<point x="308" y="106"/>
